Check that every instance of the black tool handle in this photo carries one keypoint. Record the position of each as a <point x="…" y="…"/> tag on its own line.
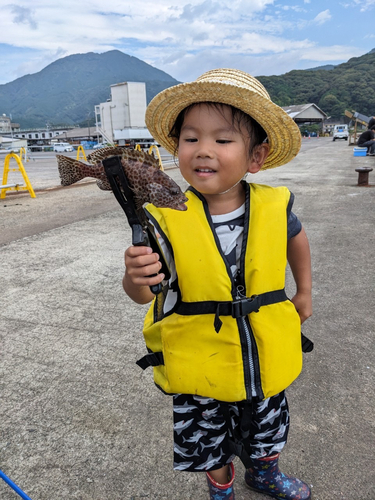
<point x="124" y="195"/>
<point x="139" y="239"/>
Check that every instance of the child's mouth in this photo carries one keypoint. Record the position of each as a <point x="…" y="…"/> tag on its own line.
<point x="204" y="170"/>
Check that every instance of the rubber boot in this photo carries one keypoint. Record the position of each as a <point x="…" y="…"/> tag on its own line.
<point x="221" y="491"/>
<point x="264" y="476"/>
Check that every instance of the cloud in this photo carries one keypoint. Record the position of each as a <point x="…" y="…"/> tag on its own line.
<point x="262" y="36"/>
<point x="365" y="4"/>
<point x="295" y="8"/>
<point x="323" y="17"/>
<point x="191" y="12"/>
<point x="23" y="15"/>
<point x="187" y="66"/>
<point x="329" y="54"/>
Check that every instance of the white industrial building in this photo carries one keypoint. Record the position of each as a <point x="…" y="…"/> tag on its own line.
<point x="8" y="136"/>
<point x="6" y="124"/>
<point x="122" y="118"/>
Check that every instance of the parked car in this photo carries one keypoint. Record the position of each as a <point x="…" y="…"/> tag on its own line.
<point x="61" y="147"/>
<point x="100" y="145"/>
<point x="340" y="132"/>
<point x="9" y="149"/>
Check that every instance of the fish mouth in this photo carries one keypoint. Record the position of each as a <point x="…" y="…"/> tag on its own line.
<point x="182" y="204"/>
<point x="181" y="207"/>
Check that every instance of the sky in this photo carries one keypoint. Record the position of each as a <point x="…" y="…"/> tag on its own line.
<point x="188" y="37"/>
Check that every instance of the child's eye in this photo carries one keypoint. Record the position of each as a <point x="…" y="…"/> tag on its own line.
<point x="223" y="141"/>
<point x="191" y="139"/>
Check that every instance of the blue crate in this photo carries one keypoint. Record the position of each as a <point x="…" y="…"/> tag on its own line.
<point x="359" y="151"/>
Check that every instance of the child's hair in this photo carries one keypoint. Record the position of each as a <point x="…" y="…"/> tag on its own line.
<point x="257" y="134"/>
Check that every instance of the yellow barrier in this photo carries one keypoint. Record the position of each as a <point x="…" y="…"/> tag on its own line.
<point x="153" y="146"/>
<point x="15" y="187"/>
<point x="81" y="150"/>
<point x="23" y="152"/>
<point x="157" y="153"/>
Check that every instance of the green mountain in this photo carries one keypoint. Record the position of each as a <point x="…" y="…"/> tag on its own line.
<point x="346" y="86"/>
<point x="326" y="67"/>
<point x="66" y="91"/>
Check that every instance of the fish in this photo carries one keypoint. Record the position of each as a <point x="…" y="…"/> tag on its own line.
<point x="210" y="425"/>
<point x="214" y="442"/>
<point x="180" y="426"/>
<point x="182" y="451"/>
<point x="210" y="462"/>
<point x="195" y="437"/>
<point x="185" y="408"/>
<point x="148" y="182"/>
<point x="183" y="465"/>
<point x="270" y="417"/>
<point x="203" y="401"/>
<point x="209" y="413"/>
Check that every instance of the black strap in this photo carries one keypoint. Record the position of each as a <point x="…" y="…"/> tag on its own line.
<point x="307" y="345"/>
<point x="151" y="359"/>
<point x="238" y="435"/>
<point x="235" y="308"/>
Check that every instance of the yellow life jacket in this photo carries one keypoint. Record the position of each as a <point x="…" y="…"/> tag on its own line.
<point x="215" y="342"/>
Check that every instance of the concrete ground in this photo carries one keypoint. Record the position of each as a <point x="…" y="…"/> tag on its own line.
<point x="79" y="420"/>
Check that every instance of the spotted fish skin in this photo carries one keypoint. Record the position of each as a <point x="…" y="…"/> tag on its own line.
<point x="148" y="182"/>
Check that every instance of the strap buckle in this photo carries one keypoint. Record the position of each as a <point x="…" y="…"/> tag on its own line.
<point x="245" y="306"/>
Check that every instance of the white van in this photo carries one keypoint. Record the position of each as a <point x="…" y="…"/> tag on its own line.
<point x="340" y="132"/>
<point x="59" y="147"/>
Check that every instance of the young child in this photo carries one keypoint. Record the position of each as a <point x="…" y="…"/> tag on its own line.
<point x="222" y="336"/>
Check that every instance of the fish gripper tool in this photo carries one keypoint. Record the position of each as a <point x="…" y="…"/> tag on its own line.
<point x="142" y="234"/>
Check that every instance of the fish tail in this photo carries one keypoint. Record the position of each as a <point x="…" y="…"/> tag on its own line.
<point x="70" y="170"/>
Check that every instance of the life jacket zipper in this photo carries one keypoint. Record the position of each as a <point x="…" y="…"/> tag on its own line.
<point x="250" y="354"/>
<point x="250" y="358"/>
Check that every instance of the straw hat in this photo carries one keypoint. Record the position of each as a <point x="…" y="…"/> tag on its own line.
<point x="233" y="87"/>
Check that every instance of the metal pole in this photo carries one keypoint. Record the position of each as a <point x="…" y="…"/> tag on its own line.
<point x="16" y="488"/>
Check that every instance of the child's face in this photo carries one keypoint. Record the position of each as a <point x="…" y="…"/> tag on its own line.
<point x="213" y="155"/>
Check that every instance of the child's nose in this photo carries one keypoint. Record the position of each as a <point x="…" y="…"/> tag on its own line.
<point x="204" y="150"/>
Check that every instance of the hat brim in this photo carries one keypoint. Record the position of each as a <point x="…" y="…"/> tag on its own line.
<point x="283" y="134"/>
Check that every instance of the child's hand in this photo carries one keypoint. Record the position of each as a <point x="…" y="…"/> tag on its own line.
<point x="303" y="304"/>
<point x="140" y="264"/>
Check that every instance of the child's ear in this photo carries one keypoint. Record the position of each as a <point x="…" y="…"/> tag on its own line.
<point x="259" y="156"/>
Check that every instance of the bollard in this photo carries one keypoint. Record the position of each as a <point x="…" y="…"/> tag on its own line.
<point x="363" y="173"/>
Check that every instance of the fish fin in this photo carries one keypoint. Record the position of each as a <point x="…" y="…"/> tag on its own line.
<point x="145" y="159"/>
<point x="102" y="153"/>
<point x="70" y="170"/>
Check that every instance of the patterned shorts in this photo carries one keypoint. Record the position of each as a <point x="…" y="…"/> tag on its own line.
<point x="201" y="430"/>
